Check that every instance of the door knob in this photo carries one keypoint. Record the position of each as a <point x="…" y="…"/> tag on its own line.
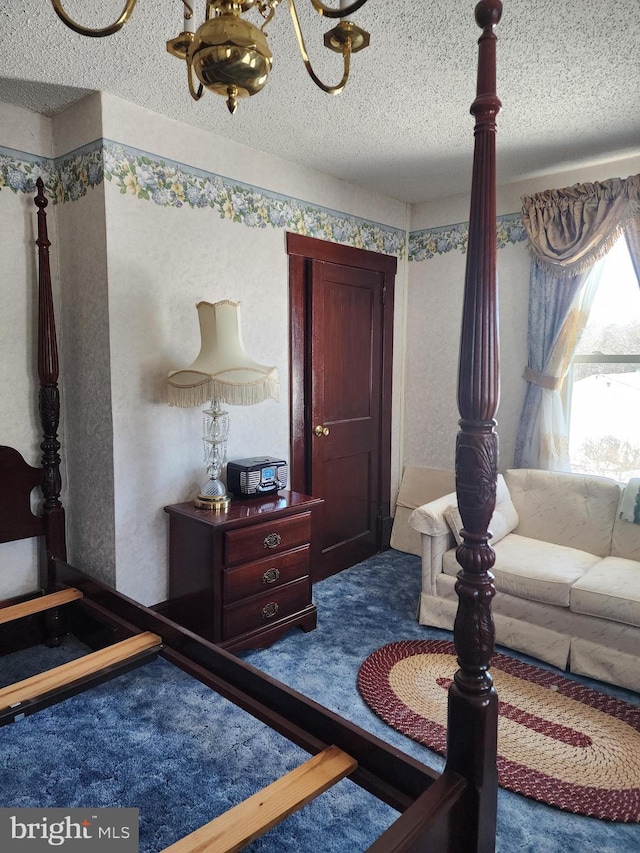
<point x="321" y="430"/>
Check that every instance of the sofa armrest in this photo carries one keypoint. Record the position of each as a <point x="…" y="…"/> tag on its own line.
<point x="429" y="518"/>
<point x="436" y="538"/>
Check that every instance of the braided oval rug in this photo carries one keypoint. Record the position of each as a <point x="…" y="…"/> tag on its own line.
<point x="559" y="741"/>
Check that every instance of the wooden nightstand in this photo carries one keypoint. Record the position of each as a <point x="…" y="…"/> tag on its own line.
<point x="241" y="578"/>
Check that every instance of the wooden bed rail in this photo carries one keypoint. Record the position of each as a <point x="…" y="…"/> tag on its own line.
<point x="383" y="770"/>
<point x="426" y="824"/>
<point x="38" y="605"/>
<point x="61" y="680"/>
<point x="253" y="817"/>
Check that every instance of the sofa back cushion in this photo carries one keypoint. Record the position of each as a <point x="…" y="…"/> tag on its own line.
<point x="503" y="520"/>
<point x="576" y="510"/>
<point x="626" y="531"/>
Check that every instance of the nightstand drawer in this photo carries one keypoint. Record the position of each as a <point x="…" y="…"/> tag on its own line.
<point x="263" y="540"/>
<point x="263" y="575"/>
<point x="261" y="610"/>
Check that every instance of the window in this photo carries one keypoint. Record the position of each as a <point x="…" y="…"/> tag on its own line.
<point x="604" y="381"/>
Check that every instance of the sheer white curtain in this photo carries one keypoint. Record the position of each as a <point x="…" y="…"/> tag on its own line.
<point x="550" y="430"/>
<point x="570" y="231"/>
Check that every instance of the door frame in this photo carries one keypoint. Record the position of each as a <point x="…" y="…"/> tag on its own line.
<point x="302" y="250"/>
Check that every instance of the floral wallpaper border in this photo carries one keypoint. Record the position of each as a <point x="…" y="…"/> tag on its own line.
<point x="430" y="242"/>
<point x="169" y="183"/>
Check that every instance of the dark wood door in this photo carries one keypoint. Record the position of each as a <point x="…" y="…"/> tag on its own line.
<point x="341" y="391"/>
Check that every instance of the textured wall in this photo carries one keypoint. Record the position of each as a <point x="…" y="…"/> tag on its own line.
<point x="433" y="338"/>
<point x="85" y="357"/>
<point x="161" y="263"/>
<point x="86" y="375"/>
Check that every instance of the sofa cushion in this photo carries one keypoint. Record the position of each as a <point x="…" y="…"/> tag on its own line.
<point x="529" y="568"/>
<point x="611" y="590"/>
<point x="575" y="510"/>
<point x="503" y="521"/>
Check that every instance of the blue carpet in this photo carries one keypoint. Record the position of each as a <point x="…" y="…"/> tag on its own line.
<point x="157" y="740"/>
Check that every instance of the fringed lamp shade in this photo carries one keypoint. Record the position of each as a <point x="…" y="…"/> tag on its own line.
<point x="222" y="373"/>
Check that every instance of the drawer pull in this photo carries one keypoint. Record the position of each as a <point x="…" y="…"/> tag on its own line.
<point x="272" y="540"/>
<point x="269" y="610"/>
<point x="270" y="576"/>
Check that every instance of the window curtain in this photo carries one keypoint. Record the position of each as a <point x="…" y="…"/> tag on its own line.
<point x="569" y="232"/>
<point x="632" y="235"/>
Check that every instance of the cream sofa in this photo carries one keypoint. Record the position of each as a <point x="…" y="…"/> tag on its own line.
<point x="567" y="572"/>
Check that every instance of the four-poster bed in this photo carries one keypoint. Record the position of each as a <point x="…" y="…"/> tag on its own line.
<point x="454" y="811"/>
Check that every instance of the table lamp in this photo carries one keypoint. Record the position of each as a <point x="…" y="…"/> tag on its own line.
<point x="222" y="373"/>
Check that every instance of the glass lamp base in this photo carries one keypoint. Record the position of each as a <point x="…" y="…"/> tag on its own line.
<point x="213" y="495"/>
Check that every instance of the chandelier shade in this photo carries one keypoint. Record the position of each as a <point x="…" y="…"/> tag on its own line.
<point x="222" y="371"/>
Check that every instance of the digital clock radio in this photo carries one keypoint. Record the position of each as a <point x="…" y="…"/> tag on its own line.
<point x="260" y="475"/>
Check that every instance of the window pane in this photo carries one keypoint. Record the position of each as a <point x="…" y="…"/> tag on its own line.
<point x="605" y="413"/>
<point x="604" y="429"/>
<point x="614" y="322"/>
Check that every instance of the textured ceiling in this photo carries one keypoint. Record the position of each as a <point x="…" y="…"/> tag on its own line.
<point x="568" y="78"/>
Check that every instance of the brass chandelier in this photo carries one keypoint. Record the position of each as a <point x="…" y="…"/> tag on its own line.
<point x="229" y="55"/>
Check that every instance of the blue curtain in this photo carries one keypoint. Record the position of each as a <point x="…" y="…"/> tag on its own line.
<point x="569" y="230"/>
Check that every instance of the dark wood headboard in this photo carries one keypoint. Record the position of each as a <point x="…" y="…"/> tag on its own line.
<point x="16" y="518"/>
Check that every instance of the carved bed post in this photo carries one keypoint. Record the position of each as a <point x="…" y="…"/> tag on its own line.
<point x="49" y="398"/>
<point x="473" y="705"/>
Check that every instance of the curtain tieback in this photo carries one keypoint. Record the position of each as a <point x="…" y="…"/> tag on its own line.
<point x="544" y="380"/>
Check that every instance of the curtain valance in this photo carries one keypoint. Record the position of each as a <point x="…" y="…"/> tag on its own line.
<point x="572" y="228"/>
